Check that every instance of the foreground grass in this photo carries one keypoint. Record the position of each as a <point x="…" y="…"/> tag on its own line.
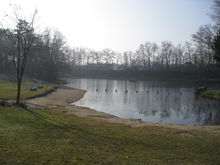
<point x="213" y="94"/>
<point x="8" y="90"/>
<point x="30" y="137"/>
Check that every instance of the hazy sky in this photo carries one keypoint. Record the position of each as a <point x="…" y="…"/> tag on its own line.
<point x="118" y="24"/>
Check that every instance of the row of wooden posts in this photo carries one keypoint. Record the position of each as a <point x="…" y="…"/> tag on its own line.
<point x="126" y="91"/>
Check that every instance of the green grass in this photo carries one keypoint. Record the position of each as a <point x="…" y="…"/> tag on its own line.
<point x="49" y="137"/>
<point x="8" y="90"/>
<point x="213" y="94"/>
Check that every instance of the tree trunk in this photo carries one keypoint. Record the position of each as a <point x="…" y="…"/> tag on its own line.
<point x="18" y="92"/>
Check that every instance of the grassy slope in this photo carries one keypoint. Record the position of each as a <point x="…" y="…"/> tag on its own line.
<point x="213" y="94"/>
<point x="49" y="137"/>
<point x="8" y="90"/>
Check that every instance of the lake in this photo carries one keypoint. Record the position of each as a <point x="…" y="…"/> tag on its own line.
<point x="152" y="101"/>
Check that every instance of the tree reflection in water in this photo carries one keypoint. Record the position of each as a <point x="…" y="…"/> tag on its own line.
<point x="200" y="113"/>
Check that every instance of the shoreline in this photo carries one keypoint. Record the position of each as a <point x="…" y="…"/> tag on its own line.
<point x="61" y="99"/>
<point x="211" y="94"/>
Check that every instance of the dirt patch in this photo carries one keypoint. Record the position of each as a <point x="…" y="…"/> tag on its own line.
<point x="62" y="98"/>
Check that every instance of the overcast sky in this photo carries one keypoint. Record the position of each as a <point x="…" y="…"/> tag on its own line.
<point x="118" y="24"/>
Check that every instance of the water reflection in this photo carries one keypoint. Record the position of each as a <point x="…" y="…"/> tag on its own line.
<point x="150" y="101"/>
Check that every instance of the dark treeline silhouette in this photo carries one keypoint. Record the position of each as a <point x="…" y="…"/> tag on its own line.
<point x="51" y="57"/>
<point x="148" y="61"/>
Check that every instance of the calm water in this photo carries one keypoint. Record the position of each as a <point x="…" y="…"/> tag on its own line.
<point x="149" y="101"/>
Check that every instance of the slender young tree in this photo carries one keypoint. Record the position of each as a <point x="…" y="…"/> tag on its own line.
<point x="22" y="37"/>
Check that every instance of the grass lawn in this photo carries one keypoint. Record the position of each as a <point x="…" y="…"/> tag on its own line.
<point x="8" y="90"/>
<point x="29" y="137"/>
<point x="213" y="94"/>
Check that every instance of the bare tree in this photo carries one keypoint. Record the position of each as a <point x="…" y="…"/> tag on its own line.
<point x="166" y="52"/>
<point x="188" y="52"/>
<point x="177" y="57"/>
<point x="216" y="15"/>
<point x="134" y="60"/>
<point x="204" y="35"/>
<point x="216" y="39"/>
<point x="151" y="49"/>
<point x="208" y="36"/>
<point x="22" y="38"/>
<point x="216" y="47"/>
<point x="97" y="57"/>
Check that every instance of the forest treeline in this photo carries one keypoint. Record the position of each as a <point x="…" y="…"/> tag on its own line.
<point x="50" y="57"/>
<point x="150" y="59"/>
